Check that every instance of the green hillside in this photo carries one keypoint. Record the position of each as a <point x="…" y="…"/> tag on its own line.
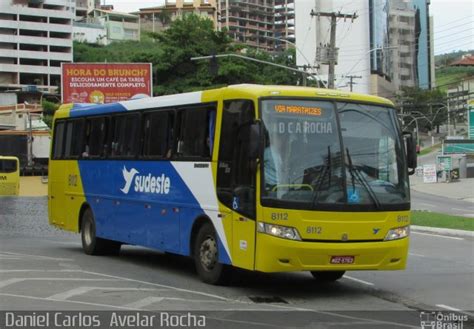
<point x="448" y="76"/>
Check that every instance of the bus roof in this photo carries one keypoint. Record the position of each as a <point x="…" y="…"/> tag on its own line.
<point x="234" y="91"/>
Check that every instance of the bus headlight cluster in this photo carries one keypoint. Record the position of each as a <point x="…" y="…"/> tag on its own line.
<point x="284" y="232"/>
<point x="398" y="233"/>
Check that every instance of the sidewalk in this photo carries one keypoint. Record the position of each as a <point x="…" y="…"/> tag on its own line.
<point x="32" y="186"/>
<point x="462" y="189"/>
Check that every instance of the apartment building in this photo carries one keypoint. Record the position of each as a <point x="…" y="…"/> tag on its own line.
<point x="83" y="7"/>
<point x="251" y="22"/>
<point x="403" y="44"/>
<point x="284" y="23"/>
<point x="156" y="19"/>
<point x="118" y="26"/>
<point x="35" y="38"/>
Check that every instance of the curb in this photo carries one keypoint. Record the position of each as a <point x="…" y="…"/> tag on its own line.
<point x="442" y="231"/>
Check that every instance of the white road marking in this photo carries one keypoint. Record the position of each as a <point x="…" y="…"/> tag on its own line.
<point x="67" y="243"/>
<point x="17" y="280"/>
<point x="427" y="204"/>
<point x="5" y="257"/>
<point x="438" y="235"/>
<point x="358" y="280"/>
<point x="158" y="285"/>
<point x="152" y="299"/>
<point x="465" y="209"/>
<point x="34" y="270"/>
<point x="35" y="256"/>
<point x="417" y="255"/>
<point x="144" y="302"/>
<point x="82" y="290"/>
<point x="450" y="308"/>
<point x="192" y="291"/>
<point x="65" y="301"/>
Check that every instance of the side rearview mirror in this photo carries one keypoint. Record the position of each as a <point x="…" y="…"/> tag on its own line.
<point x="410" y="148"/>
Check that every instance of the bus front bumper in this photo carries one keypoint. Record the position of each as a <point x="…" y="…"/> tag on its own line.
<point x="281" y="255"/>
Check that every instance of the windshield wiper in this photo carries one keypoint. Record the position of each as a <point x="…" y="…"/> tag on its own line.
<point x="326" y="170"/>
<point x="354" y="171"/>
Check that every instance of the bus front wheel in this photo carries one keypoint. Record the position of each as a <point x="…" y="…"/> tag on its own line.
<point x="327" y="276"/>
<point x="206" y="257"/>
<point x="91" y="244"/>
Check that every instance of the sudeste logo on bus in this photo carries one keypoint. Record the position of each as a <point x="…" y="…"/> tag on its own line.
<point x="145" y="183"/>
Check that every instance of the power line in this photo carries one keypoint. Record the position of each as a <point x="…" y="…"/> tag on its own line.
<point x="332" y="53"/>
<point x="455" y="21"/>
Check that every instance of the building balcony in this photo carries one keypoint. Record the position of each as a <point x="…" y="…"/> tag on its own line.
<point x="38" y="12"/>
<point x="8" y="24"/>
<point x="25" y="39"/>
<point x="29" y="54"/>
<point x="31" y="69"/>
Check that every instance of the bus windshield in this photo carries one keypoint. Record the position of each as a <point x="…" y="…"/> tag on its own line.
<point x="7" y="166"/>
<point x="329" y="155"/>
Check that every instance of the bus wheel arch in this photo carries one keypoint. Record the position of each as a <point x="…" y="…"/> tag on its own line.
<point x="204" y="250"/>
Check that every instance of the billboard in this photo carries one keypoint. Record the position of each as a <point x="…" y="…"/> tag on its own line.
<point x="104" y="82"/>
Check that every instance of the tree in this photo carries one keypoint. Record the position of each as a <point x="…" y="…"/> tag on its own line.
<point x="49" y="108"/>
<point x="427" y="106"/>
<point x="170" y="53"/>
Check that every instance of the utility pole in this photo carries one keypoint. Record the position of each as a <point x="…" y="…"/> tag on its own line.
<point x="449" y="130"/>
<point x="332" y="51"/>
<point x="351" y="80"/>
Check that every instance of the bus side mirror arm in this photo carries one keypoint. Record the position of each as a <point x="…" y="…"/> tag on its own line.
<point x="410" y="147"/>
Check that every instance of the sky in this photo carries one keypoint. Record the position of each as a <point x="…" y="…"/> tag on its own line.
<point x="453" y="21"/>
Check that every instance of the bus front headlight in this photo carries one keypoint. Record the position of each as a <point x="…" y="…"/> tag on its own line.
<point x="284" y="232"/>
<point x="398" y="233"/>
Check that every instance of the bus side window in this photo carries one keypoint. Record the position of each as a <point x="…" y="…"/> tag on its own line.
<point x="73" y="140"/>
<point x="235" y="179"/>
<point x="158" y="134"/>
<point x="194" y="140"/>
<point x="58" y="140"/>
<point x="95" y="134"/>
<point x="124" y="139"/>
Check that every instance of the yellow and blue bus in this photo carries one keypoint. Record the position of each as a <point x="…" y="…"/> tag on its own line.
<point x="9" y="175"/>
<point x="265" y="178"/>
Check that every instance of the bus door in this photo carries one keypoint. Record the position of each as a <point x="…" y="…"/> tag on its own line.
<point x="73" y="188"/>
<point x="56" y="177"/>
<point x="236" y="179"/>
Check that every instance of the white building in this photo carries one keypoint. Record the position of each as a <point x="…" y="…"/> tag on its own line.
<point x="363" y="46"/>
<point x="35" y="37"/>
<point x="83" y="7"/>
<point x="90" y="33"/>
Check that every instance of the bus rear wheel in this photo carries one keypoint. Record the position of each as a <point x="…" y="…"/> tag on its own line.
<point x="206" y="257"/>
<point x="91" y="244"/>
<point x="327" y="276"/>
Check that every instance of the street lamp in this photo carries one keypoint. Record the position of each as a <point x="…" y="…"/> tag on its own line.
<point x="416" y="125"/>
<point x="302" y="55"/>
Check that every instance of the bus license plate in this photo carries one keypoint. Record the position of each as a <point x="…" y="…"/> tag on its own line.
<point x="342" y="260"/>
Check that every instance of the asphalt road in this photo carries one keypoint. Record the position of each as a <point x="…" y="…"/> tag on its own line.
<point x="434" y="203"/>
<point x="42" y="268"/>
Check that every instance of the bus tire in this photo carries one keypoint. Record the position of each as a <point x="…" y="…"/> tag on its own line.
<point x="91" y="244"/>
<point x="327" y="276"/>
<point x="206" y="257"/>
